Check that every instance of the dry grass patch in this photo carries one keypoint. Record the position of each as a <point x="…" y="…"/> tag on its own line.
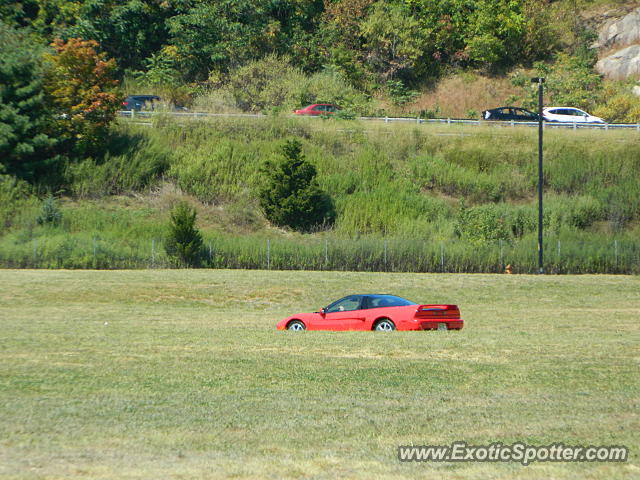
<point x="459" y="94"/>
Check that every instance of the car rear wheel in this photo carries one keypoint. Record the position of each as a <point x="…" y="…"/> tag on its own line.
<point x="384" y="325"/>
<point x="296" y="326"/>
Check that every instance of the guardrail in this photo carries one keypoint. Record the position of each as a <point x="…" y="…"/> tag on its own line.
<point x="448" y="121"/>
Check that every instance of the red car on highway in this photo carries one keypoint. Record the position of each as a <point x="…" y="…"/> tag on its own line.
<point x="318" y="109"/>
<point x="376" y="312"/>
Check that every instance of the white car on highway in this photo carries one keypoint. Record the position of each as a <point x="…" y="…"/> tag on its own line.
<point x="569" y="114"/>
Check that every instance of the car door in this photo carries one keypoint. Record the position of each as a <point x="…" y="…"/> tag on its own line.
<point x="524" y="115"/>
<point x="344" y="314"/>
<point x="575" y="115"/>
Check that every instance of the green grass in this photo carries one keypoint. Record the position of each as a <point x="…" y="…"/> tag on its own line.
<point x="404" y="184"/>
<point x="181" y="374"/>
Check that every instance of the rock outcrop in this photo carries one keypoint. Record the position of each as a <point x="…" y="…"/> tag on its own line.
<point x="623" y="33"/>
<point x="622" y="64"/>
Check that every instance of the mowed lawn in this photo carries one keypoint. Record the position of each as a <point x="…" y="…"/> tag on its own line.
<point x="181" y="374"/>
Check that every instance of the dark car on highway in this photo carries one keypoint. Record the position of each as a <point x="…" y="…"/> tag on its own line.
<point x="510" y="113"/>
<point x="140" y="102"/>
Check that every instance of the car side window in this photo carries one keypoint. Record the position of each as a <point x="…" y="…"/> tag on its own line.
<point x="377" y="302"/>
<point x="346" y="304"/>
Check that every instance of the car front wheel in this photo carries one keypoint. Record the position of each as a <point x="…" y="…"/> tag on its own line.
<point x="296" y="326"/>
<point x="384" y="325"/>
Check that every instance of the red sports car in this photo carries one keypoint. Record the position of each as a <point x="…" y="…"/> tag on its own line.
<point x="376" y="312"/>
<point x="318" y="109"/>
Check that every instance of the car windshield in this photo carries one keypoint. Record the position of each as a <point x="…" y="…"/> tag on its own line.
<point x="345" y="304"/>
<point x="379" y="301"/>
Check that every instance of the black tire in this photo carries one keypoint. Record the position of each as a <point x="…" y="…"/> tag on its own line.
<point x="296" y="326"/>
<point x="384" y="325"/>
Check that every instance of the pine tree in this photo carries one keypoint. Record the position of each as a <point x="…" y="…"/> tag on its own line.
<point x="25" y="147"/>
<point x="291" y="195"/>
<point x="184" y="242"/>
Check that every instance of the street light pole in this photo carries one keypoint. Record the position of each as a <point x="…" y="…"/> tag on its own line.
<point x="539" y="81"/>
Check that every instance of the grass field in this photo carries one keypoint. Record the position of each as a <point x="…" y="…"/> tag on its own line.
<point x="181" y="374"/>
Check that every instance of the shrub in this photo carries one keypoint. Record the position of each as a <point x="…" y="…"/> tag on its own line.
<point x="184" y="242"/>
<point x="621" y="105"/>
<point x="481" y="224"/>
<point x="15" y="195"/>
<point x="50" y="213"/>
<point x="291" y="195"/>
<point x="272" y="82"/>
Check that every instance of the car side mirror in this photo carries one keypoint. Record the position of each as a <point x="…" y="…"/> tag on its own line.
<point x="323" y="311"/>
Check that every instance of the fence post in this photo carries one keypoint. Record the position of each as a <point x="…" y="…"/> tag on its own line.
<point x="385" y="254"/>
<point x="268" y="254"/>
<point x="210" y="256"/>
<point x="326" y="252"/>
<point x="615" y="248"/>
<point x="442" y="257"/>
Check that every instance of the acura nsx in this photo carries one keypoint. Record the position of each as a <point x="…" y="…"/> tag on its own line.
<point x="376" y="312"/>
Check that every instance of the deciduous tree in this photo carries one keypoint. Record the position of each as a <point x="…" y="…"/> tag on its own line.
<point x="82" y="93"/>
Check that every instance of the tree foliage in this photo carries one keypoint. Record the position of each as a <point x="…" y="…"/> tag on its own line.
<point x="184" y="240"/>
<point x="82" y="93"/>
<point x="291" y="196"/>
<point x="368" y="41"/>
<point x="25" y="146"/>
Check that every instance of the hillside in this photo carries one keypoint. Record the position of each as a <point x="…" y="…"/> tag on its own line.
<point x="83" y="189"/>
<point x="417" y="198"/>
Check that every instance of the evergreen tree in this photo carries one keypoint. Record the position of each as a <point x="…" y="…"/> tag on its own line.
<point x="291" y="195"/>
<point x="24" y="144"/>
<point x="184" y="242"/>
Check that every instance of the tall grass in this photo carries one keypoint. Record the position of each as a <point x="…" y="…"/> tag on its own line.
<point x="566" y="252"/>
<point x="417" y="189"/>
